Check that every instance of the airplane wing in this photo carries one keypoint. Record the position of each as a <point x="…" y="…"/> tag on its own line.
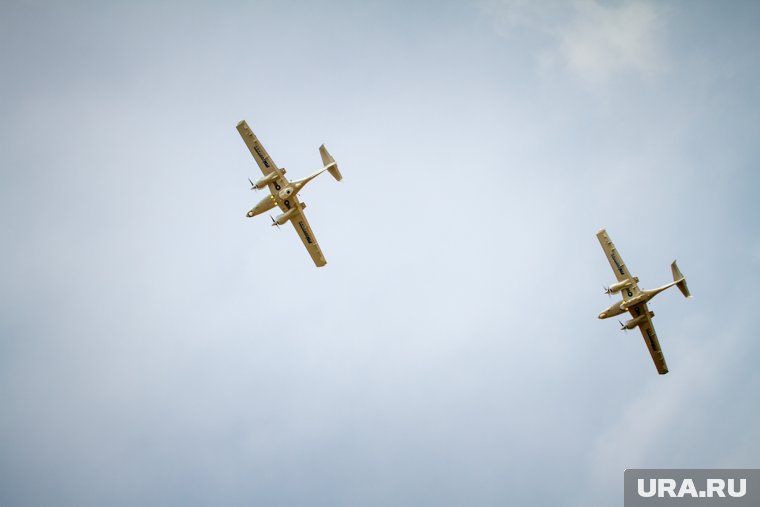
<point x="617" y="264"/>
<point x="266" y="164"/>
<point x="307" y="236"/>
<point x="650" y="337"/>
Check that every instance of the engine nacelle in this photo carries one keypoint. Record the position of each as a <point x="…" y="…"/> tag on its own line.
<point x="637" y="321"/>
<point x="282" y="219"/>
<point x="266" y="180"/>
<point x="617" y="287"/>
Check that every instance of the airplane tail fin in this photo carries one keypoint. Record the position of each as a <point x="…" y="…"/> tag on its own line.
<point x="330" y="163"/>
<point x="680" y="280"/>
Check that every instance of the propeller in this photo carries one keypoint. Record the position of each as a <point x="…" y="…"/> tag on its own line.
<point x="274" y="222"/>
<point x="622" y="327"/>
<point x="253" y="185"/>
<point x="607" y="290"/>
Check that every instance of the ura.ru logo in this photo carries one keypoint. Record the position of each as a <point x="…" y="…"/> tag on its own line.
<point x="687" y="489"/>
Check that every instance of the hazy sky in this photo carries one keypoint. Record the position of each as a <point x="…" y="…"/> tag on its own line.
<point x="159" y="348"/>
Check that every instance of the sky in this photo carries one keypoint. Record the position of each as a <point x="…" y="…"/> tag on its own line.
<point x="157" y="347"/>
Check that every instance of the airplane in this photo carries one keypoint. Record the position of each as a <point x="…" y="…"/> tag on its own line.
<point x="635" y="300"/>
<point x="284" y="193"/>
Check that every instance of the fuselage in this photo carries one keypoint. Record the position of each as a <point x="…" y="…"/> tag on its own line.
<point x="624" y="305"/>
<point x="282" y="193"/>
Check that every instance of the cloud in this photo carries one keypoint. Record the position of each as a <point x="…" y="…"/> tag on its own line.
<point x="602" y="41"/>
<point x="592" y="41"/>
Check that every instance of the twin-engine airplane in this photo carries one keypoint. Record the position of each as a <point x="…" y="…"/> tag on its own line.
<point x="284" y="193"/>
<point x="635" y="299"/>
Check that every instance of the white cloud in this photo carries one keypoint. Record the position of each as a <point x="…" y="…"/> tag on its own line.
<point x="591" y="40"/>
<point x="604" y="40"/>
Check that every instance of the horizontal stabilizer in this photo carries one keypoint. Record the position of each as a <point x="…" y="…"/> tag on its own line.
<point x="680" y="280"/>
<point x="330" y="163"/>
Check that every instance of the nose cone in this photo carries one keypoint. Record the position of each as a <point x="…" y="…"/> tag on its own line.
<point x="249" y="214"/>
<point x="602" y="315"/>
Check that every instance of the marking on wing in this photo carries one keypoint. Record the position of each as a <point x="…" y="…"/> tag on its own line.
<point x="305" y="233"/>
<point x="263" y="158"/>
<point x="651" y="339"/>
<point x="617" y="263"/>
